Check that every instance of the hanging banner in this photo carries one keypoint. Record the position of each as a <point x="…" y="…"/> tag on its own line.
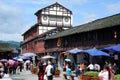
<point x="59" y="42"/>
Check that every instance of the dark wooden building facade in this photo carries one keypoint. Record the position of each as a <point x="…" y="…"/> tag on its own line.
<point x="96" y="34"/>
<point x="99" y="33"/>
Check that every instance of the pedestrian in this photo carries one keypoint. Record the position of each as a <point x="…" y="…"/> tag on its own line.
<point x="10" y="68"/>
<point x="96" y="67"/>
<point x="68" y="70"/>
<point x="20" y="64"/>
<point x="77" y="71"/>
<point x="64" y="66"/>
<point x="48" y="71"/>
<point x="115" y="68"/>
<point x="27" y="66"/>
<point x="105" y="74"/>
<point x="1" y="71"/>
<point x="5" y="68"/>
<point x="41" y="71"/>
<point x="14" y="67"/>
<point x="90" y="67"/>
<point x="82" y="68"/>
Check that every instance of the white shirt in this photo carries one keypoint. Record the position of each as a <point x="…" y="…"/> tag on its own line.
<point x="97" y="67"/>
<point x="91" y="67"/>
<point x="104" y="75"/>
<point x="48" y="68"/>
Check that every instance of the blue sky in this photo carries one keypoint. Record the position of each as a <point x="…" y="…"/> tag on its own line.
<point x="17" y="16"/>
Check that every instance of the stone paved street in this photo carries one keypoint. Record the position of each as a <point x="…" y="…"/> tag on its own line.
<point x="27" y="75"/>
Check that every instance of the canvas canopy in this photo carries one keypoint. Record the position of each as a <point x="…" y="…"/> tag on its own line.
<point x="115" y="48"/>
<point x="74" y="51"/>
<point x="95" y="52"/>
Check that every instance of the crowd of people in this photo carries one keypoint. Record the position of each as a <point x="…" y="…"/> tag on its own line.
<point x="106" y="72"/>
<point x="46" y="70"/>
<point x="11" y="66"/>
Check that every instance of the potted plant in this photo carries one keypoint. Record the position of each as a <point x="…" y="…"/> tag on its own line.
<point x="57" y="72"/>
<point x="90" y="75"/>
<point x="117" y="77"/>
<point x="34" y="69"/>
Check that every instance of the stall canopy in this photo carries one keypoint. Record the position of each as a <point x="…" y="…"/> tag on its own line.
<point x="115" y="48"/>
<point x="95" y="52"/>
<point x="74" y="51"/>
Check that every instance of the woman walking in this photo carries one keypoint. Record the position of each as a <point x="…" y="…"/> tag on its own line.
<point x="41" y="71"/>
<point x="106" y="74"/>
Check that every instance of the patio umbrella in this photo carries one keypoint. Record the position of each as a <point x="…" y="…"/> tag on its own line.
<point x="48" y="57"/>
<point x="28" y="54"/>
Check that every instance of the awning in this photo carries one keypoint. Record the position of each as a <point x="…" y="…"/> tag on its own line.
<point x="74" y="51"/>
<point x="115" y="48"/>
<point x="95" y="52"/>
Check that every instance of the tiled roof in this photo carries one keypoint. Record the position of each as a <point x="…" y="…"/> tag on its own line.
<point x="94" y="25"/>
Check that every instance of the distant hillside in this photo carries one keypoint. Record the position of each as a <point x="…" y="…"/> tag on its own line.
<point x="12" y="44"/>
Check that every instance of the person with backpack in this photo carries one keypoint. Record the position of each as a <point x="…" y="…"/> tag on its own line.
<point x="48" y="71"/>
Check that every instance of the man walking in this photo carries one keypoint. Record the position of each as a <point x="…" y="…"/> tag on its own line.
<point x="48" y="71"/>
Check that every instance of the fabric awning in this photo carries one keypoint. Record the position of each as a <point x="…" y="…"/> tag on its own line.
<point x="95" y="52"/>
<point x="115" y="48"/>
<point x="74" y="51"/>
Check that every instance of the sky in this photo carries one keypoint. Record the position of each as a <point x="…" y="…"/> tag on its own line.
<point x="17" y="16"/>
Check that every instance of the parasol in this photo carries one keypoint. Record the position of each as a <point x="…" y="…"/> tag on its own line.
<point x="24" y="57"/>
<point x="68" y="60"/>
<point x="3" y="60"/>
<point x="16" y="58"/>
<point x="48" y="57"/>
<point x="20" y="59"/>
<point x="28" y="54"/>
<point x="10" y="61"/>
<point x="27" y="61"/>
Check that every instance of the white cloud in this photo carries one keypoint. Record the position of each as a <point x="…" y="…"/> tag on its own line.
<point x="35" y="2"/>
<point x="7" y="37"/>
<point x="85" y="17"/>
<point x="10" y="19"/>
<point x="76" y="1"/>
<point x="49" y="2"/>
<point x="114" y="8"/>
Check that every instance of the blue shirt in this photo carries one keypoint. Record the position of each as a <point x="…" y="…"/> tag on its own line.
<point x="68" y="71"/>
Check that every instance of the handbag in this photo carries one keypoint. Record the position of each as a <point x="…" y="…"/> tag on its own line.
<point x="45" y="77"/>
